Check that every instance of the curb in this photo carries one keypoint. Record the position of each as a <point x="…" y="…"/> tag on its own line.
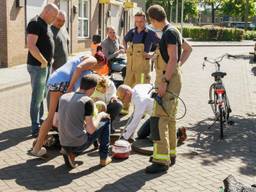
<point x="9" y="87"/>
<point x="228" y="45"/>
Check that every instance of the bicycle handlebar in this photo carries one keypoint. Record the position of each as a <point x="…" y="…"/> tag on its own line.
<point x="219" y="59"/>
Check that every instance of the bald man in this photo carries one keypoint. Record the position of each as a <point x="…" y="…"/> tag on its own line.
<point x="61" y="40"/>
<point x="40" y="53"/>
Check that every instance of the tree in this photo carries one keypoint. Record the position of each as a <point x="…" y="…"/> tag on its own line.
<point x="237" y="8"/>
<point x="190" y="7"/>
<point x="214" y="4"/>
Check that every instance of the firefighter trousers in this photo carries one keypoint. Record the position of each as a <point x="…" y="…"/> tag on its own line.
<point x="138" y="68"/>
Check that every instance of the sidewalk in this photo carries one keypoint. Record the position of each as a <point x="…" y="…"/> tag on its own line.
<point x="244" y="43"/>
<point x="18" y="76"/>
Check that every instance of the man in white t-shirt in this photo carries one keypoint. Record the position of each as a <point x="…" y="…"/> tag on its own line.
<point x="140" y="97"/>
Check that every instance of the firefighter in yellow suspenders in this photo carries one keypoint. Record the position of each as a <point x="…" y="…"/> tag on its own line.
<point x="168" y="80"/>
<point x="138" y="43"/>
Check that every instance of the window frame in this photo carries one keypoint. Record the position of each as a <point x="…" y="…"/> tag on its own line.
<point x="83" y="18"/>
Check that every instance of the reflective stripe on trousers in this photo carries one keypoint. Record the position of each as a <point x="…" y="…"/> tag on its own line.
<point x="156" y="155"/>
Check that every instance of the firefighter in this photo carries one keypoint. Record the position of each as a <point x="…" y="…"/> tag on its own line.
<point x="168" y="80"/>
<point x="138" y="43"/>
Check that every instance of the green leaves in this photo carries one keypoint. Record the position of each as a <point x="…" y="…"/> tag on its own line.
<point x="236" y="8"/>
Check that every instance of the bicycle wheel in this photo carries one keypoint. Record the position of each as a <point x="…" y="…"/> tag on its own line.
<point x="227" y="107"/>
<point x="213" y="99"/>
<point x="222" y="120"/>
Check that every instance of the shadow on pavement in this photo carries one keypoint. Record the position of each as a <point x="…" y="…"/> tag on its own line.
<point x="239" y="142"/>
<point x="34" y="175"/>
<point x="254" y="71"/>
<point x="13" y="137"/>
<point x="131" y="182"/>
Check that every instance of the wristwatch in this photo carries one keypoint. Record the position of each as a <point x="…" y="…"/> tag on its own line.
<point x="164" y="80"/>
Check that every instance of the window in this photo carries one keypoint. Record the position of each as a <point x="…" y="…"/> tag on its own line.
<point x="83" y="18"/>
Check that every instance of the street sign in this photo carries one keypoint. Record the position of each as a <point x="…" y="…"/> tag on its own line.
<point x="104" y="1"/>
<point x="129" y="5"/>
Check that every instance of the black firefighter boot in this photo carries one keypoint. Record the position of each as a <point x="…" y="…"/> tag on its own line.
<point x="172" y="160"/>
<point x="156" y="168"/>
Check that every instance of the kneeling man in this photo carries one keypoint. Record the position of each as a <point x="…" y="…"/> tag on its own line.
<point x="80" y="126"/>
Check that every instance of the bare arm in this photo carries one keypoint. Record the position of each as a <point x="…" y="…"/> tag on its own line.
<point x="187" y="49"/>
<point x="172" y="52"/>
<point x="86" y="64"/>
<point x="171" y="65"/>
<point x="93" y="122"/>
<point x="125" y="44"/>
<point x="31" y="42"/>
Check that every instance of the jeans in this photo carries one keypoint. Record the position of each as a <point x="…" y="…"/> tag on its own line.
<point x="38" y="78"/>
<point x="144" y="130"/>
<point x="113" y="109"/>
<point x="102" y="133"/>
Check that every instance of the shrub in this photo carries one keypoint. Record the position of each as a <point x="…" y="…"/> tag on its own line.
<point x="209" y="33"/>
<point x="250" y="35"/>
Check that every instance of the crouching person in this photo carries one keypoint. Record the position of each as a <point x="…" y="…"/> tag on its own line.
<point x="79" y="126"/>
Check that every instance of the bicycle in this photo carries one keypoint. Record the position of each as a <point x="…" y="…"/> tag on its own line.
<point x="218" y="98"/>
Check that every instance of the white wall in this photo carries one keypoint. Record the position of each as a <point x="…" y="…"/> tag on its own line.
<point x="33" y="8"/>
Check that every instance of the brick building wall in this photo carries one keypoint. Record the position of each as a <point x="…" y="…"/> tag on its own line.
<point x="80" y="44"/>
<point x="16" y="39"/>
<point x="13" y="29"/>
<point x="3" y="35"/>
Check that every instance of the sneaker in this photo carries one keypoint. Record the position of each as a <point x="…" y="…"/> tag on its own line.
<point x="69" y="159"/>
<point x="104" y="162"/>
<point x="39" y="153"/>
<point x="35" y="135"/>
<point x="156" y="168"/>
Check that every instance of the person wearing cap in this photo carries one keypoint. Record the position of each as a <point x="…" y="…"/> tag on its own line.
<point x="65" y="79"/>
<point x="138" y="43"/>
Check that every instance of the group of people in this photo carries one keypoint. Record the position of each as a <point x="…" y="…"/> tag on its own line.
<point x="86" y="103"/>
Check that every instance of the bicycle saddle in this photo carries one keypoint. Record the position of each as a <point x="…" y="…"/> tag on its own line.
<point x="219" y="74"/>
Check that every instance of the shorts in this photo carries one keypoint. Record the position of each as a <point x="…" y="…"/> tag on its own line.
<point x="61" y="87"/>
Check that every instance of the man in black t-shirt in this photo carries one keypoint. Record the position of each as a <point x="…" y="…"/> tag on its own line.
<point x="40" y="52"/>
<point x="168" y="82"/>
<point x="80" y="125"/>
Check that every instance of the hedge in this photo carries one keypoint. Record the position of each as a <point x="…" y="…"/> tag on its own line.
<point x="213" y="34"/>
<point x="250" y="35"/>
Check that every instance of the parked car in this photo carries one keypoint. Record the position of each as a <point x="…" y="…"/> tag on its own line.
<point x="240" y="25"/>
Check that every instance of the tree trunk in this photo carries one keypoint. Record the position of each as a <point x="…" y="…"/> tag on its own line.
<point x="246" y="14"/>
<point x="213" y="13"/>
<point x="169" y="11"/>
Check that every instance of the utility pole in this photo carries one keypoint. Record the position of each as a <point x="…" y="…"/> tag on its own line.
<point x="171" y="2"/>
<point x="177" y="11"/>
<point x="246" y="14"/>
<point x="182" y="12"/>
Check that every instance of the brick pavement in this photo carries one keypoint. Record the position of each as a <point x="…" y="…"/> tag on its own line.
<point x="203" y="162"/>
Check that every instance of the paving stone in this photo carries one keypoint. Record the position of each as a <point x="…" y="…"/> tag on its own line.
<point x="202" y="162"/>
